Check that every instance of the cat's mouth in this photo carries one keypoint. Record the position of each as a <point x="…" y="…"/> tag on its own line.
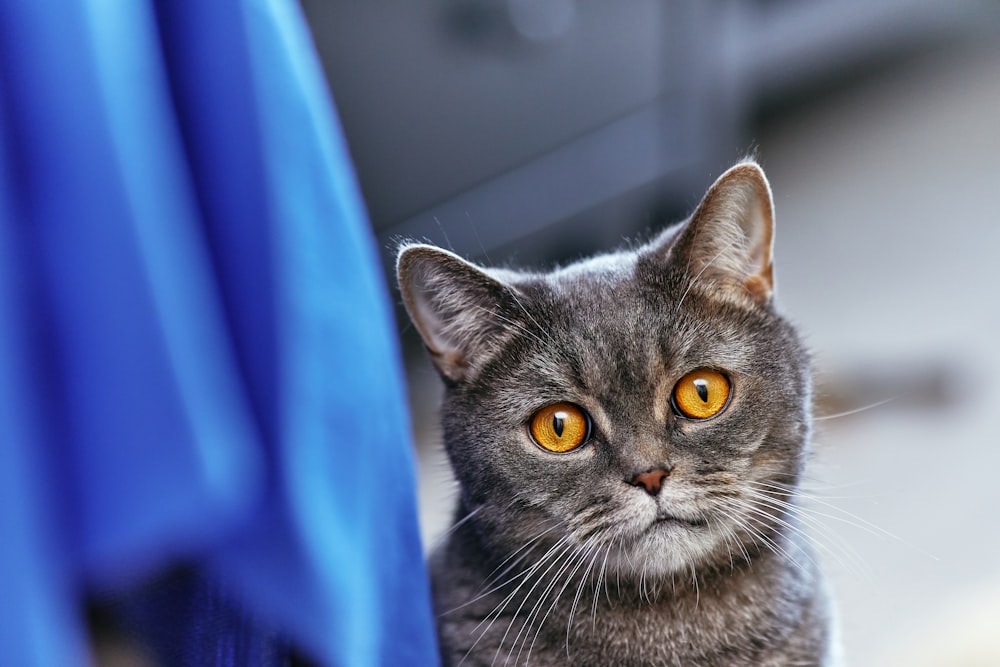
<point x="670" y="519"/>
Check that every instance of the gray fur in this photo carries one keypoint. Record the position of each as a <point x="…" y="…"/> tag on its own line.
<point x="556" y="559"/>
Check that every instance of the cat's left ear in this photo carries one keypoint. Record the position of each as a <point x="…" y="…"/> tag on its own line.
<point x="729" y="240"/>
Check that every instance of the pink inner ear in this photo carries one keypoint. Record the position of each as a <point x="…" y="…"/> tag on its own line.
<point x="760" y="282"/>
<point x="760" y="286"/>
<point x="764" y="225"/>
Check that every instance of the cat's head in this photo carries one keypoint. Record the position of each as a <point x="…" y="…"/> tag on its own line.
<point x="648" y="405"/>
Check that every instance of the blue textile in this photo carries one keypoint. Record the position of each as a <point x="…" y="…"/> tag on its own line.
<point x="197" y="358"/>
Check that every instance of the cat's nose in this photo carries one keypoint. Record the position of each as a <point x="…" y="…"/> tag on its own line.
<point x="651" y="480"/>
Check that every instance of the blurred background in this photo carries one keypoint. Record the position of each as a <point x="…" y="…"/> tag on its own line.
<point x="536" y="131"/>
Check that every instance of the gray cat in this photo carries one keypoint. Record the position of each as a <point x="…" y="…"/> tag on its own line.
<point x="628" y="433"/>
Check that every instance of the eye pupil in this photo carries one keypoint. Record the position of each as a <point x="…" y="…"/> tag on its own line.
<point x="558" y="423"/>
<point x="701" y="386"/>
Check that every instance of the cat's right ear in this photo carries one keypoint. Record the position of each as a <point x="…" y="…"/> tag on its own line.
<point x="454" y="305"/>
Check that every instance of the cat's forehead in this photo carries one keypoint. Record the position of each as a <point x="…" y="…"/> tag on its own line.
<point x="609" y="317"/>
<point x="565" y="281"/>
<point x="607" y="268"/>
<point x="598" y="282"/>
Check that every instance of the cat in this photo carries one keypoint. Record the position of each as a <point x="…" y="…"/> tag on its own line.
<point x="628" y="433"/>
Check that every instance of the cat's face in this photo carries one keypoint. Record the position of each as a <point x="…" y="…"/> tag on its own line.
<point x="647" y="410"/>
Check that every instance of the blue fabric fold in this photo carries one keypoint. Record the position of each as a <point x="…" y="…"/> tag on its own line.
<point x="198" y="363"/>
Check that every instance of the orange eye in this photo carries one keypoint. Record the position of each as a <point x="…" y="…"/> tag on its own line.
<point x="702" y="394"/>
<point x="560" y="427"/>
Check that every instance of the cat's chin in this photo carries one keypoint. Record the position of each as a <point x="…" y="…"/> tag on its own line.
<point x="669" y="546"/>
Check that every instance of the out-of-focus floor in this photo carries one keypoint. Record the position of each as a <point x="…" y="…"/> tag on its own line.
<point x="888" y="258"/>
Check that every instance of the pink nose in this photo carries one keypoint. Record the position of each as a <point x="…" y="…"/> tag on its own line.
<point x="651" y="480"/>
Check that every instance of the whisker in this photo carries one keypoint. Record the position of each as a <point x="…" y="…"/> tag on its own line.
<point x="580" y="560"/>
<point x="853" y="520"/>
<point x="493" y="576"/>
<point x="571" y="556"/>
<point x="596" y="553"/>
<point x="565" y="547"/>
<point x="853" y="562"/>
<point x="597" y="590"/>
<point x="458" y="524"/>
<point x="854" y="411"/>
<point x="848" y="517"/>
<point x="697" y="588"/>
<point x="791" y="528"/>
<point x="747" y="522"/>
<point x="532" y="543"/>
<point x="487" y="593"/>
<point x="557" y="549"/>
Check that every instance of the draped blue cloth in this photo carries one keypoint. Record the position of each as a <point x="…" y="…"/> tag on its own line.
<point x="198" y="365"/>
